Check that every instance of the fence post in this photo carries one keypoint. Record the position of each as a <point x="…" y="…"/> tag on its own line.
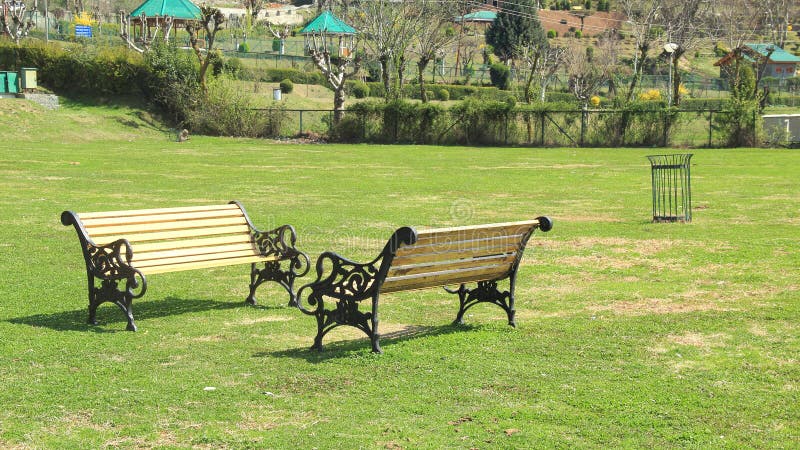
<point x="584" y="114"/>
<point x="541" y="118"/>
<point x="710" y="126"/>
<point x="301" y="121"/>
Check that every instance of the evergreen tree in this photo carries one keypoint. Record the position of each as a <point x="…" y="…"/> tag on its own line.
<point x="516" y="26"/>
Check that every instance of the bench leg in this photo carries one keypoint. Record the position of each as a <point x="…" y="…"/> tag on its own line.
<point x="272" y="272"/>
<point x="109" y="291"/>
<point x="346" y="313"/>
<point x="485" y="292"/>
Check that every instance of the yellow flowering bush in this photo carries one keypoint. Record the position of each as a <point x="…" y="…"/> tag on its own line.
<point x="650" y="95"/>
<point x="595" y="101"/>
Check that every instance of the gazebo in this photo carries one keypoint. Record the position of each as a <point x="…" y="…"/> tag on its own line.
<point x="329" y="26"/>
<point x="153" y="15"/>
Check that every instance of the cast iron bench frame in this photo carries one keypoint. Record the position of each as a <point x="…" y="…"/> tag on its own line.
<point x="484" y="254"/>
<point x="123" y="247"/>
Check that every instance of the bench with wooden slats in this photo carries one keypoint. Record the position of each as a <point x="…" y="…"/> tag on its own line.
<point x="483" y="254"/>
<point x="128" y="246"/>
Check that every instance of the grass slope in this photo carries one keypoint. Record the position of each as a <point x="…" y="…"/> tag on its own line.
<point x="630" y="333"/>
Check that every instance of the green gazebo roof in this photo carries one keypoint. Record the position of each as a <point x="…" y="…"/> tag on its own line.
<point x="179" y="9"/>
<point x="478" y="16"/>
<point x="328" y="23"/>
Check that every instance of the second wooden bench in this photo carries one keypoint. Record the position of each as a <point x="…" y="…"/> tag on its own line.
<point x="483" y="254"/>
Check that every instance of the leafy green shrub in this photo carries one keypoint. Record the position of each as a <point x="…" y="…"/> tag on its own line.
<point x="442" y="94"/>
<point x="276" y="45"/>
<point x="359" y="89"/>
<point x="275" y="75"/>
<point x="552" y="34"/>
<point x="578" y="34"/>
<point x="287" y="86"/>
<point x="500" y="75"/>
<point x="244" y="47"/>
<point x="228" y="111"/>
<point x="233" y="67"/>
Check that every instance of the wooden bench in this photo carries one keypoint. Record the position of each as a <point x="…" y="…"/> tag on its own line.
<point x="484" y="254"/>
<point x="128" y="246"/>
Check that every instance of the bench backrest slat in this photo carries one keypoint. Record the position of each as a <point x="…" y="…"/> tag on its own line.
<point x="447" y="256"/>
<point x="179" y="234"/>
<point x="139" y="212"/>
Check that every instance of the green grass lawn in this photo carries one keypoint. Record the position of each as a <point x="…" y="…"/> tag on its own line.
<point x="630" y="334"/>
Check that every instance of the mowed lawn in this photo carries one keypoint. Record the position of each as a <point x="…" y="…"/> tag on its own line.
<point x="630" y="334"/>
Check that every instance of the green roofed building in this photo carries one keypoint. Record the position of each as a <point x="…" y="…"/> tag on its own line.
<point x="332" y="33"/>
<point x="478" y="16"/>
<point x="156" y="16"/>
<point x="329" y="24"/>
<point x="480" y="19"/>
<point x="177" y="9"/>
<point x="781" y="64"/>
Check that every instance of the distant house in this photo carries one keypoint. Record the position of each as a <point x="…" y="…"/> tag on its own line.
<point x="781" y="64"/>
<point x="483" y="19"/>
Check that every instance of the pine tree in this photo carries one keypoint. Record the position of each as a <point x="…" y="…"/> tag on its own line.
<point x="517" y="25"/>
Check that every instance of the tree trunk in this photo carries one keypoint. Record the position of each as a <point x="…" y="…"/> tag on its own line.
<point x="637" y="73"/>
<point x="386" y="75"/>
<point x="421" y="65"/>
<point x="676" y="79"/>
<point x="338" y="103"/>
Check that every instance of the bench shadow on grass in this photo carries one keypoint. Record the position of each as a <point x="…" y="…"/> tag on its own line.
<point x="110" y="318"/>
<point x="346" y="348"/>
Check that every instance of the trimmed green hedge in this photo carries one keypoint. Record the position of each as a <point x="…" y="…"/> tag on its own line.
<point x="70" y="70"/>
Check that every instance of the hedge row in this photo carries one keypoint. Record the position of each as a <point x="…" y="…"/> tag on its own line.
<point x="486" y="122"/>
<point x="80" y="71"/>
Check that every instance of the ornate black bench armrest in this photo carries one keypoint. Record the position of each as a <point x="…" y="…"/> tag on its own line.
<point x="281" y="242"/>
<point x="347" y="283"/>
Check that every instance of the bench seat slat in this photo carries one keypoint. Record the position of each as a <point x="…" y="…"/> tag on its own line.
<point x="157" y="218"/>
<point x="165" y="226"/>
<point x="139" y="257"/>
<point x="139" y="212"/>
<point x="445" y="278"/>
<point x="471" y="233"/>
<point x="194" y="258"/>
<point x="205" y="264"/>
<point x="398" y="271"/>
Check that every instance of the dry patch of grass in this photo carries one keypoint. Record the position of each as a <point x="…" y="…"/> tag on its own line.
<point x="657" y="306"/>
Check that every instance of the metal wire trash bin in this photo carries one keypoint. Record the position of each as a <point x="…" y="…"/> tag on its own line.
<point x="672" y="187"/>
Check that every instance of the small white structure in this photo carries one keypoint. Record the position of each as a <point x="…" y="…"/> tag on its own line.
<point x="782" y="127"/>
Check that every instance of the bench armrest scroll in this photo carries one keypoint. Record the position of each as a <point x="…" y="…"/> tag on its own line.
<point x="347" y="279"/>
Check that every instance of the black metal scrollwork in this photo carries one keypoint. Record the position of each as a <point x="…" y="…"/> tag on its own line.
<point x="347" y="283"/>
<point x="485" y="292"/>
<point x="279" y="242"/>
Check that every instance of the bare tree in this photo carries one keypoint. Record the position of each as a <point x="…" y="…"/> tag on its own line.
<point x="14" y="20"/>
<point x="336" y="69"/>
<point x="551" y="62"/>
<point x="253" y="8"/>
<point x="734" y="21"/>
<point x="642" y="16"/>
<point x="280" y="33"/>
<point x="211" y="21"/>
<point x="776" y="19"/>
<point x="686" y="25"/>
<point x="589" y="72"/>
<point x="389" y="27"/>
<point x="433" y="35"/>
